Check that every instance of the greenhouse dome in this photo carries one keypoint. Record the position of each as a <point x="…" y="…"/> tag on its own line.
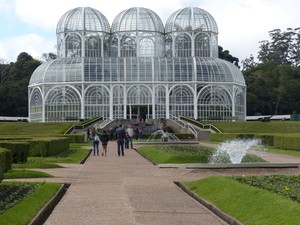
<point x="191" y="32"/>
<point x="83" y="32"/>
<point x="137" y="19"/>
<point x="137" y="68"/>
<point x="137" y="32"/>
<point x="83" y="19"/>
<point x="191" y="19"/>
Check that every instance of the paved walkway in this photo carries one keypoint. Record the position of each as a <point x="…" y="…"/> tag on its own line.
<point x="125" y="190"/>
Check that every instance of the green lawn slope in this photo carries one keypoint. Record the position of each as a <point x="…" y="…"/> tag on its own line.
<point x="259" y="127"/>
<point x="32" y="128"/>
<point x="250" y="205"/>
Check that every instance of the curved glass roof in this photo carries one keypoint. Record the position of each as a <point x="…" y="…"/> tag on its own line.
<point x="58" y="71"/>
<point x="208" y="70"/>
<point x="83" y="19"/>
<point x="137" y="19"/>
<point x="191" y="19"/>
<point x="217" y="70"/>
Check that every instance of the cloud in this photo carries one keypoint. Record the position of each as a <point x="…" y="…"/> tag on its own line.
<point x="46" y="14"/>
<point x="33" y="44"/>
<point x="242" y="23"/>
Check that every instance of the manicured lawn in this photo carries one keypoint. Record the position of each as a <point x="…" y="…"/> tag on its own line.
<point x="184" y="154"/>
<point x="248" y="204"/>
<point x="259" y="127"/>
<point x="27" y="206"/>
<point x="13" y="174"/>
<point x="38" y="129"/>
<point x="176" y="154"/>
<point x="282" y="151"/>
<point x="75" y="155"/>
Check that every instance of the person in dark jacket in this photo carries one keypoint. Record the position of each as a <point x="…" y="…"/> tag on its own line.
<point x="120" y="133"/>
<point x="104" y="138"/>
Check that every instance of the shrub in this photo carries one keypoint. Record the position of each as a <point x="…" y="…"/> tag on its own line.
<point x="48" y="146"/>
<point x="179" y="135"/>
<point x="5" y="161"/>
<point x="287" y="142"/>
<point x="75" y="138"/>
<point x="220" y="137"/>
<point x="19" y="150"/>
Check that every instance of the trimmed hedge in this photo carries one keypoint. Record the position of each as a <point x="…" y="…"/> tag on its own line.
<point x="267" y="139"/>
<point x="75" y="138"/>
<point x="19" y="150"/>
<point x="5" y="161"/>
<point x="48" y="146"/>
<point x="179" y="135"/>
<point x="278" y="141"/>
<point x="286" y="142"/>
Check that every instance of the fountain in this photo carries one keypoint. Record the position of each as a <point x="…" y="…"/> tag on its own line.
<point x="164" y="137"/>
<point x="233" y="151"/>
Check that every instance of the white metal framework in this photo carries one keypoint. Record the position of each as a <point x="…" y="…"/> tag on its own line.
<point x="137" y="67"/>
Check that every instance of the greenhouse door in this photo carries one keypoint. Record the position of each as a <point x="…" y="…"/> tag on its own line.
<point x="139" y="112"/>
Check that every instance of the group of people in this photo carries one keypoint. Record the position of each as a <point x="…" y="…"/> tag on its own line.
<point x="124" y="139"/>
<point x="96" y="138"/>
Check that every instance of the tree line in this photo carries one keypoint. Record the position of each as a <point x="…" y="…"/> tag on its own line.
<point x="272" y="78"/>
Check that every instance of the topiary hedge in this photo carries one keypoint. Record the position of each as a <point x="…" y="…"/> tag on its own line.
<point x="179" y="135"/>
<point x="19" y="150"/>
<point x="48" y="146"/>
<point x="267" y="139"/>
<point x="5" y="161"/>
<point x="287" y="142"/>
<point x="75" y="138"/>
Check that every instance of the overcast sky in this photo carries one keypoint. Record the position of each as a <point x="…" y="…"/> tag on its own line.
<point x="29" y="25"/>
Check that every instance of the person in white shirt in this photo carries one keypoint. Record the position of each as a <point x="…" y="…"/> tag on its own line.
<point x="130" y="135"/>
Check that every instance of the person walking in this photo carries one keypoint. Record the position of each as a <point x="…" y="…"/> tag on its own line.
<point x="104" y="138"/>
<point x="120" y="133"/>
<point x="88" y="135"/>
<point x="140" y="133"/>
<point x="130" y="135"/>
<point x="96" y="141"/>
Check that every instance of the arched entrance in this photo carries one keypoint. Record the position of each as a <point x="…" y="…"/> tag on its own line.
<point x="139" y="112"/>
<point x="139" y="103"/>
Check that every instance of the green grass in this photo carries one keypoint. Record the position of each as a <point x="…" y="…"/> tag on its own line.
<point x="283" y="151"/>
<point x="35" y="162"/>
<point x="287" y="186"/>
<point x="75" y="155"/>
<point x="14" y="174"/>
<point x="160" y="156"/>
<point x="250" y="205"/>
<point x="185" y="154"/>
<point x="259" y="127"/>
<point x="33" y="129"/>
<point x="23" y="212"/>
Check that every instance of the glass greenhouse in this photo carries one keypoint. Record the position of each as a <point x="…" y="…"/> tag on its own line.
<point x="137" y="67"/>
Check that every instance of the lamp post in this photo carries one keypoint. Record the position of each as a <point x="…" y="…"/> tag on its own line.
<point x="276" y="106"/>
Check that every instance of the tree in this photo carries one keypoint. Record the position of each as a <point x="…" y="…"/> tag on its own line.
<point x="46" y="57"/>
<point x="283" y="48"/>
<point x="224" y="54"/>
<point x="4" y="71"/>
<point x="249" y="63"/>
<point x="273" y="83"/>
<point x="14" y="91"/>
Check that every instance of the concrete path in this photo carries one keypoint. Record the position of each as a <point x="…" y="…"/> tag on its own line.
<point x="126" y="190"/>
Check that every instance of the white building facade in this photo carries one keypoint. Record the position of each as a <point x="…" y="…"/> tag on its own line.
<point x="137" y="67"/>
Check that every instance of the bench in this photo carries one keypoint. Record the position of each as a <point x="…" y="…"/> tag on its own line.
<point x="71" y="118"/>
<point x="218" y="118"/>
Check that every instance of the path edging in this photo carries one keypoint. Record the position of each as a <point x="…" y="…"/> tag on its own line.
<point x="224" y="216"/>
<point x="44" y="213"/>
